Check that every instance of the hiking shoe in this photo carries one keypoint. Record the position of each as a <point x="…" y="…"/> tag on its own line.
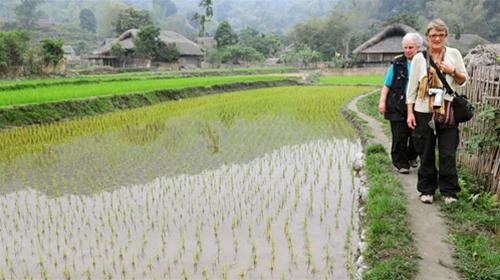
<point x="449" y="200"/>
<point x="403" y="170"/>
<point x="414" y="163"/>
<point x="427" y="198"/>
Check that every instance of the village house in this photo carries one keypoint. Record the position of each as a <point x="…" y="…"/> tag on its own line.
<point x="385" y="45"/>
<point x="191" y="54"/>
<point x="381" y="49"/>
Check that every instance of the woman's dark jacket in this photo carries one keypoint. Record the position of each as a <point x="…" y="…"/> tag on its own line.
<point x="395" y="107"/>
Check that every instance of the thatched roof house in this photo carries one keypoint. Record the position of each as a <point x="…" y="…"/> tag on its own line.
<point x="384" y="46"/>
<point x="190" y="53"/>
<point x="69" y="53"/>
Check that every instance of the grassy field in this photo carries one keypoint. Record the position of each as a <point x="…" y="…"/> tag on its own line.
<point x="78" y="91"/>
<point x="359" y="79"/>
<point x="144" y="75"/>
<point x="258" y="184"/>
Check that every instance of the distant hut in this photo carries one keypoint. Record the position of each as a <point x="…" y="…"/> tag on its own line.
<point x="384" y="46"/>
<point x="69" y="53"/>
<point x="190" y="53"/>
<point x="206" y="42"/>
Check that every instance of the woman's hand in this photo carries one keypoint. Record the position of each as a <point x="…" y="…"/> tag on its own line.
<point x="446" y="68"/>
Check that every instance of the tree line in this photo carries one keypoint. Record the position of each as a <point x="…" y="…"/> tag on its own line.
<point x="18" y="57"/>
<point x="328" y="38"/>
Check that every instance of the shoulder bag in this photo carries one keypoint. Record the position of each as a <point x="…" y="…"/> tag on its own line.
<point x="463" y="110"/>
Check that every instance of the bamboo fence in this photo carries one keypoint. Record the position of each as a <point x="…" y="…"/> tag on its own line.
<point x="483" y="89"/>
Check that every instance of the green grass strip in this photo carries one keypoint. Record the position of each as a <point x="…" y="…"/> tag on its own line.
<point x="145" y="75"/>
<point x="474" y="222"/>
<point x="80" y="91"/>
<point x="390" y="251"/>
<point x="369" y="106"/>
<point x="356" y="79"/>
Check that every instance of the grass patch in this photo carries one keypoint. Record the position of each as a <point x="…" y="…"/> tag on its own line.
<point x="369" y="105"/>
<point x="360" y="124"/>
<point x="390" y="251"/>
<point x="359" y="79"/>
<point x="474" y="222"/>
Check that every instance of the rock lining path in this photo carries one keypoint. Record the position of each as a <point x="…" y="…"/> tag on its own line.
<point x="425" y="220"/>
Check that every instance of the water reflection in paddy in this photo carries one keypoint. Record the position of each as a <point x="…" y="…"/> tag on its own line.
<point x="256" y="184"/>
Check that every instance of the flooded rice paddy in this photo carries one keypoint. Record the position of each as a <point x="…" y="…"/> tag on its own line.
<point x="254" y="184"/>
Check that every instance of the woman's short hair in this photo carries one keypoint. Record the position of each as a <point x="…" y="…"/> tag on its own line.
<point x="437" y="24"/>
<point x="414" y="38"/>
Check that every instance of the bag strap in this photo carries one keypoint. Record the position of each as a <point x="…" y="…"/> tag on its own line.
<point x="440" y="75"/>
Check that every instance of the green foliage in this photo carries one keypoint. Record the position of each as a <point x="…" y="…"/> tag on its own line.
<point x="237" y="54"/>
<point x="147" y="41"/>
<point x="117" y="50"/>
<point x="214" y="57"/>
<point x="201" y="19"/>
<point x="88" y="20"/>
<point x="132" y="18"/>
<point x="410" y="19"/>
<point x="14" y="51"/>
<point x="326" y="36"/>
<point x="489" y="117"/>
<point x="167" y="52"/>
<point x="148" y="44"/>
<point x="303" y="57"/>
<point x="224" y="35"/>
<point x="475" y="220"/>
<point x="266" y="43"/>
<point x="469" y="13"/>
<point x="27" y="13"/>
<point x="52" y="51"/>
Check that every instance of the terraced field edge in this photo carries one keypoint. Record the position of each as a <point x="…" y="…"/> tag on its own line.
<point x="18" y="116"/>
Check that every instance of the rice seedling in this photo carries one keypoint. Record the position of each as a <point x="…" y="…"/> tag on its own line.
<point x="97" y="204"/>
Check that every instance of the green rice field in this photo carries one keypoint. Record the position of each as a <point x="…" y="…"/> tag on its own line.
<point x="358" y="79"/>
<point x="62" y="92"/>
<point x="145" y="75"/>
<point x="248" y="184"/>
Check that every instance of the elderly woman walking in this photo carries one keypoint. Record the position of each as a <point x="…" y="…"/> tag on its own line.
<point x="421" y="109"/>
<point x="392" y="104"/>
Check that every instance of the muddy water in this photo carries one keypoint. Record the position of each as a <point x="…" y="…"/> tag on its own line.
<point x="140" y="153"/>
<point x="289" y="213"/>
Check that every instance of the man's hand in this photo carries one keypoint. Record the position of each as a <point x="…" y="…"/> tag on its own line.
<point x="381" y="106"/>
<point x="410" y="121"/>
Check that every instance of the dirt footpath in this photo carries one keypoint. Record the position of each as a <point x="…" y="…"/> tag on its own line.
<point x="425" y="220"/>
